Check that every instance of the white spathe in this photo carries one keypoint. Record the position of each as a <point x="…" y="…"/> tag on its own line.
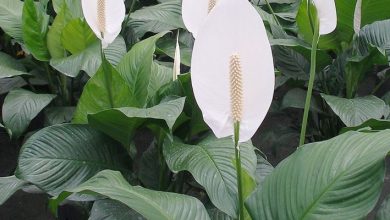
<point x="194" y="13"/>
<point x="233" y="27"/>
<point x="327" y="15"/>
<point x="114" y="14"/>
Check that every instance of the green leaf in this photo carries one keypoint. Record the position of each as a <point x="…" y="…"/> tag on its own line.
<point x="374" y="10"/>
<point x="354" y="112"/>
<point x="151" y="204"/>
<point x="35" y="27"/>
<point x="158" y="18"/>
<point x="11" y="18"/>
<point x="136" y="69"/>
<point x="63" y="156"/>
<point x="22" y="106"/>
<point x="161" y="75"/>
<point x="263" y="169"/>
<point x="89" y="60"/>
<point x="74" y="7"/>
<point x="58" y="115"/>
<point x="295" y="98"/>
<point x="105" y="90"/>
<point x="8" y="84"/>
<point x="54" y="44"/>
<point x="216" y="214"/>
<point x="77" y="36"/>
<point x="336" y="179"/>
<point x="210" y="162"/>
<point x="376" y="34"/>
<point x="369" y="125"/>
<point x="107" y="209"/>
<point x="384" y="210"/>
<point x="121" y="123"/>
<point x="8" y="186"/>
<point x="10" y="67"/>
<point x="168" y="46"/>
<point x="345" y="27"/>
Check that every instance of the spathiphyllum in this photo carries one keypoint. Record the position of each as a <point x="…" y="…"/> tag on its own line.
<point x="327" y="15"/>
<point x="233" y="74"/>
<point x="195" y="12"/>
<point x="105" y="18"/>
<point x="324" y="23"/>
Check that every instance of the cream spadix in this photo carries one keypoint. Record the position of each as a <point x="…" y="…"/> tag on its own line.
<point x="232" y="69"/>
<point x="105" y="18"/>
<point x="194" y="13"/>
<point x="327" y="15"/>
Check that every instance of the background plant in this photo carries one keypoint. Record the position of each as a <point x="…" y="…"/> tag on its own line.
<point x="50" y="66"/>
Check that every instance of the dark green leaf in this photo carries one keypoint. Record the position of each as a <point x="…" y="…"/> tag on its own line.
<point x="22" y="106"/>
<point x="112" y="210"/>
<point x="336" y="179"/>
<point x="210" y="162"/>
<point x="10" y="67"/>
<point x="8" y="186"/>
<point x="63" y="156"/>
<point x="151" y="204"/>
<point x="11" y="18"/>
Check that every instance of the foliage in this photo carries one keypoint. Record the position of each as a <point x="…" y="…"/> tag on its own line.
<point x="79" y="112"/>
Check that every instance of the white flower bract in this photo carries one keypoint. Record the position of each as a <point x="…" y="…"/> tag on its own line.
<point x="234" y="28"/>
<point x="327" y="15"/>
<point x="105" y="18"/>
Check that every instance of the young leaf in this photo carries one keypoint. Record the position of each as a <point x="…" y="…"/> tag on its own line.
<point x="63" y="156"/>
<point x="22" y="106"/>
<point x="151" y="204"/>
<point x="336" y="179"/>
<point x="136" y="69"/>
<point x="105" y="90"/>
<point x="35" y="27"/>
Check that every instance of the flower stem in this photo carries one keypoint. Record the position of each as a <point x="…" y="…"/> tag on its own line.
<point x="238" y="168"/>
<point x="313" y="62"/>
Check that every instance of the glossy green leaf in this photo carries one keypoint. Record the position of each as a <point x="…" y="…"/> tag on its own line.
<point x="263" y="169"/>
<point x="295" y="98"/>
<point x="105" y="90"/>
<point x="8" y="186"/>
<point x="121" y="123"/>
<point x="10" y="67"/>
<point x="158" y="18"/>
<point x="54" y="44"/>
<point x="216" y="214"/>
<point x="136" y="69"/>
<point x="168" y="47"/>
<point x="89" y="60"/>
<point x="63" y="156"/>
<point x="354" y="112"/>
<point x="11" y="18"/>
<point x="374" y="10"/>
<point x="74" y="7"/>
<point x="35" y="27"/>
<point x="151" y="204"/>
<point x="336" y="179"/>
<point x="108" y="209"/>
<point x="161" y="75"/>
<point x="77" y="36"/>
<point x="22" y="106"/>
<point x="369" y="125"/>
<point x="212" y="157"/>
<point x="8" y="84"/>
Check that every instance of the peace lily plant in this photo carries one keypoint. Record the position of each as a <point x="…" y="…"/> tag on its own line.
<point x="194" y="13"/>
<point x="323" y="20"/>
<point x="232" y="72"/>
<point x="105" y="18"/>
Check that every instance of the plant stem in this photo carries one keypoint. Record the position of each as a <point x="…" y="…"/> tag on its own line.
<point x="64" y="88"/>
<point x="238" y="168"/>
<point x="311" y="83"/>
<point x="273" y="13"/>
<point x="50" y="78"/>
